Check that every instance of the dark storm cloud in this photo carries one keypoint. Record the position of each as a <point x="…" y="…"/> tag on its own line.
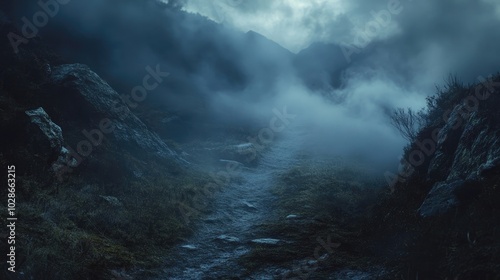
<point x="435" y="38"/>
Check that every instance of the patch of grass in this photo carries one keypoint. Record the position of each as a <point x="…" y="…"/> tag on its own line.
<point x="331" y="202"/>
<point x="330" y="193"/>
<point x="74" y="230"/>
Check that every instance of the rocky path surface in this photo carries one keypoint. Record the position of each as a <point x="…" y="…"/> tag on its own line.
<point x="231" y="229"/>
<point x="228" y="232"/>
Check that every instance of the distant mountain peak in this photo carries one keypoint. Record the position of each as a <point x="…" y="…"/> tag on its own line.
<point x="256" y="37"/>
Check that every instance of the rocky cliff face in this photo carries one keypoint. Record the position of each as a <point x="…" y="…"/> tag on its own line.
<point x="463" y="153"/>
<point x="87" y="103"/>
<point x="446" y="200"/>
<point x="81" y="114"/>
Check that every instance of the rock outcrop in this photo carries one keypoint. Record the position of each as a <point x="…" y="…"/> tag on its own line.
<point x="440" y="199"/>
<point x="87" y="101"/>
<point x="467" y="153"/>
<point x="45" y="137"/>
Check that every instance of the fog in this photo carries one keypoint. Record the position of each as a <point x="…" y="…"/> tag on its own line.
<point x="221" y="74"/>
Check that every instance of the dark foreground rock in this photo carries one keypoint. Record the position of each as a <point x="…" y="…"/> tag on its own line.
<point x="45" y="137"/>
<point x="98" y="127"/>
<point x="87" y="99"/>
<point x="440" y="199"/>
<point x="467" y="152"/>
<point x="448" y="202"/>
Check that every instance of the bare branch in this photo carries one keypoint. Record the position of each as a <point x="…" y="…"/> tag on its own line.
<point x="408" y="122"/>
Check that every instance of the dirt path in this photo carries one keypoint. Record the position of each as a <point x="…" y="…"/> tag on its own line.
<point x="227" y="233"/>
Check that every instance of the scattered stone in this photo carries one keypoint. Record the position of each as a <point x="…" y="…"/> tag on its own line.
<point x="267" y="241"/>
<point x="189" y="247"/>
<point x="244" y="146"/>
<point x="249" y="205"/>
<point x="310" y="262"/>
<point x="227" y="238"/>
<point x="64" y="160"/>
<point x="374" y="272"/>
<point x="120" y="275"/>
<point x="323" y="257"/>
<point x="349" y="274"/>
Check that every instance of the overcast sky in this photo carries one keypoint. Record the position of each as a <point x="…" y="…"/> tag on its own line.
<point x="295" y="24"/>
<point x="404" y="47"/>
<point x="292" y="23"/>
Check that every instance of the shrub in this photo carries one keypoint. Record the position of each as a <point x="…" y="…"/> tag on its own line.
<point x="408" y="122"/>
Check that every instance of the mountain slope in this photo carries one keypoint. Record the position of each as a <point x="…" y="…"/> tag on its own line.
<point x="446" y="194"/>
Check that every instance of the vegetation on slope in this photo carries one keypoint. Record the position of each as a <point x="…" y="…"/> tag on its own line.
<point x="381" y="227"/>
<point x="100" y="219"/>
<point x="330" y="203"/>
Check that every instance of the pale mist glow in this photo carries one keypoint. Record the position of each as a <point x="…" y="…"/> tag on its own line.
<point x="294" y="24"/>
